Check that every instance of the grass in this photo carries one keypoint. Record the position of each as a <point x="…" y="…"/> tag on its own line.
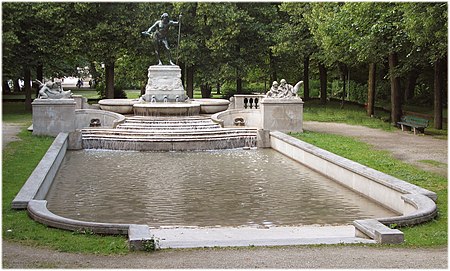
<point x="350" y="114"/>
<point x="434" y="163"/>
<point x="19" y="160"/>
<point x="356" y="115"/>
<point x="21" y="157"/>
<point x="433" y="233"/>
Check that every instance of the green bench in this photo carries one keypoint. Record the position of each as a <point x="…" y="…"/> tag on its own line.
<point x="417" y="124"/>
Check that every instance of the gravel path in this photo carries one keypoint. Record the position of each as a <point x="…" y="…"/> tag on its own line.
<point x="404" y="146"/>
<point x="18" y="256"/>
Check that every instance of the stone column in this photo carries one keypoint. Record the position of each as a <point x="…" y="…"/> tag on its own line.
<point x="285" y="115"/>
<point x="52" y="116"/>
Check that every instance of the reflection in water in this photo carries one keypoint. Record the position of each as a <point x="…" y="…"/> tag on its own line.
<point x="227" y="188"/>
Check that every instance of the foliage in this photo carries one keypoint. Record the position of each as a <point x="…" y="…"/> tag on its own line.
<point x="234" y="44"/>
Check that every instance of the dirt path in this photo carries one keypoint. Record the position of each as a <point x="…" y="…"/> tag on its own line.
<point x="17" y="256"/>
<point x="404" y="146"/>
<point x="9" y="132"/>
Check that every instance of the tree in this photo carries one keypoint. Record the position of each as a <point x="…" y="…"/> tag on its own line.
<point x="426" y="27"/>
<point x="34" y="34"/>
<point x="295" y="39"/>
<point x="112" y="30"/>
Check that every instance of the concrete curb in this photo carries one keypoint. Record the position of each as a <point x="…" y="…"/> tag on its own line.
<point x="137" y="234"/>
<point x="416" y="204"/>
<point x="40" y="180"/>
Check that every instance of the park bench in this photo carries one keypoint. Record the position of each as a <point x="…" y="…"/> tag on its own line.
<point x="417" y="124"/>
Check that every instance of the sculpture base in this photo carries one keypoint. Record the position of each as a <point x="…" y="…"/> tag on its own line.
<point x="164" y="83"/>
<point x="285" y="115"/>
<point x="52" y="116"/>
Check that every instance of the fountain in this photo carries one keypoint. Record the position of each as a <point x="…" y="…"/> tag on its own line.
<point x="243" y="183"/>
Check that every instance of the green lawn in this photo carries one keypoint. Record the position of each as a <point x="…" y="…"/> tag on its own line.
<point x="21" y="157"/>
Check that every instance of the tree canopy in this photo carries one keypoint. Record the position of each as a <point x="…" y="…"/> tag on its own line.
<point x="239" y="46"/>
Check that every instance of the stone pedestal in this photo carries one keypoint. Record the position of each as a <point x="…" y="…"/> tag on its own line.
<point x="285" y="115"/>
<point x="52" y="116"/>
<point x="164" y="81"/>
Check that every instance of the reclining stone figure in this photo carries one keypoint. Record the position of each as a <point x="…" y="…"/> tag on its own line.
<point x="53" y="90"/>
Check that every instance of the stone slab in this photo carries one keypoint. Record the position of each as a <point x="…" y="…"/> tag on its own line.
<point x="190" y="237"/>
<point x="378" y="231"/>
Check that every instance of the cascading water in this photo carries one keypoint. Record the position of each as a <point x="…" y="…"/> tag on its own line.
<point x="168" y="134"/>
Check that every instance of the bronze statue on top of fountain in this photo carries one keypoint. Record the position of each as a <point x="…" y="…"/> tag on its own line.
<point x="159" y="32"/>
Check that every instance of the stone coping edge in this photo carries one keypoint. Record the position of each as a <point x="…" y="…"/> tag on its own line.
<point x="138" y="235"/>
<point x="422" y="200"/>
<point x="370" y="173"/>
<point x="42" y="176"/>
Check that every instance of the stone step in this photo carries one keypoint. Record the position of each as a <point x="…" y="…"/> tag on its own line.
<point x="167" y="134"/>
<point x="175" y="132"/>
<point x="150" y="126"/>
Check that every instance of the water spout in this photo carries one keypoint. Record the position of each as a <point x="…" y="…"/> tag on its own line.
<point x="177" y="98"/>
<point x="165" y="98"/>
<point x="153" y="99"/>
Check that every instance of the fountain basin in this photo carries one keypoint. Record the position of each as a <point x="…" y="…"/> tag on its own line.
<point x="121" y="106"/>
<point x="166" y="109"/>
<point x="212" y="106"/>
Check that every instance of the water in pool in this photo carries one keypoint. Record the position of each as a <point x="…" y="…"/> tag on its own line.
<point x="227" y="188"/>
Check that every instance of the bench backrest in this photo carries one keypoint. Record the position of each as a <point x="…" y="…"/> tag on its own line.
<point x="415" y="120"/>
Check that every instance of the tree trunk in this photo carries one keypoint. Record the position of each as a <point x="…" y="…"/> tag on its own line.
<point x="438" y="83"/>
<point x="238" y="84"/>
<point x="306" y="78"/>
<point x="183" y="74"/>
<point x="396" y="94"/>
<point x="218" y="88"/>
<point x="27" y="86"/>
<point x="190" y="81"/>
<point x="39" y="76"/>
<point x="323" y="83"/>
<point x="205" y="90"/>
<point x="6" y="88"/>
<point x="344" y="71"/>
<point x="238" y="72"/>
<point x="411" y="84"/>
<point x="17" y="85"/>
<point x="272" y="67"/>
<point x="109" y="77"/>
<point x="371" y="89"/>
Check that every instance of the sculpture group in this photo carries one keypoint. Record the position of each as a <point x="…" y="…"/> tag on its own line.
<point x="53" y="90"/>
<point x="283" y="90"/>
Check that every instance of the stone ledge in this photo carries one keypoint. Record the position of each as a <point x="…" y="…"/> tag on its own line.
<point x="426" y="210"/>
<point x="378" y="231"/>
<point x="377" y="176"/>
<point x="137" y="234"/>
<point x="44" y="172"/>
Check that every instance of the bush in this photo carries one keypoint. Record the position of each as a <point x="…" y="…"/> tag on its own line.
<point x="118" y="90"/>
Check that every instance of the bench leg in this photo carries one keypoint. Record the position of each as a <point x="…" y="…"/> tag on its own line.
<point x="403" y="127"/>
<point x="415" y="130"/>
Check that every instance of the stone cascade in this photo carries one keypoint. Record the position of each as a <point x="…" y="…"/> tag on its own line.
<point x="168" y="134"/>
